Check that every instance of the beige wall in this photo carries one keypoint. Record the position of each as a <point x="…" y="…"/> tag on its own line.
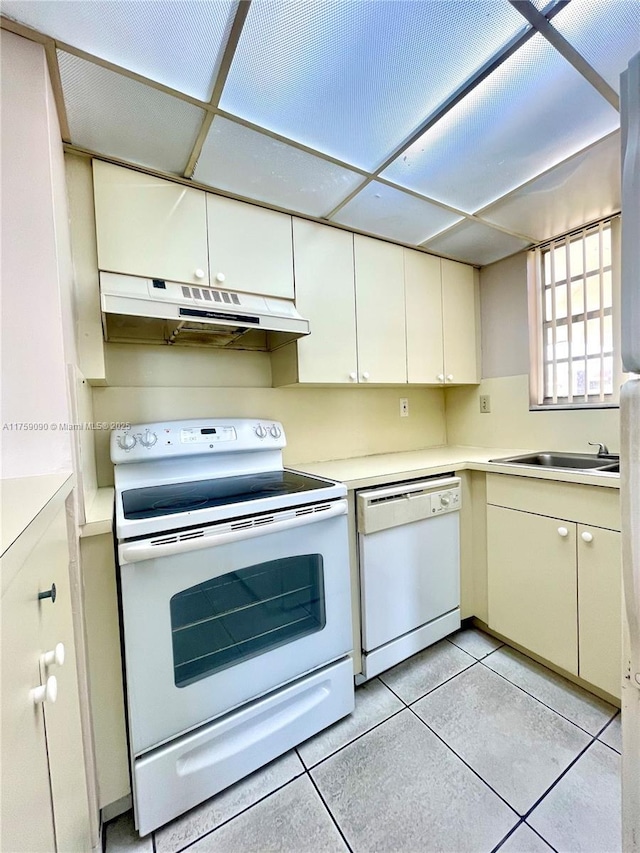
<point x="505" y="369"/>
<point x="148" y="383"/>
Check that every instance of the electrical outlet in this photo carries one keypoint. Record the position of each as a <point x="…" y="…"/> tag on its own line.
<point x="404" y="407"/>
<point x="485" y="403"/>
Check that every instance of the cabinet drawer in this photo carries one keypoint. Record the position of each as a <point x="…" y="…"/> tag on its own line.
<point x="592" y="505"/>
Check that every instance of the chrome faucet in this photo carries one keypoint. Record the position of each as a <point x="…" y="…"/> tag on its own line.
<point x="603" y="450"/>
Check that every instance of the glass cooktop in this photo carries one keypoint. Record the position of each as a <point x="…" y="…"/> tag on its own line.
<point x="153" y="501"/>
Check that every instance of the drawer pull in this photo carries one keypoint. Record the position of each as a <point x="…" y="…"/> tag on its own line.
<point x="587" y="537"/>
<point x="49" y="593"/>
<point x="563" y="532"/>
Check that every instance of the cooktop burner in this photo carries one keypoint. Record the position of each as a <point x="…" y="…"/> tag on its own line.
<point x="154" y="501"/>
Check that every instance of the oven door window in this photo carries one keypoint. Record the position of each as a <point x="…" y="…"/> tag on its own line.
<point x="237" y="616"/>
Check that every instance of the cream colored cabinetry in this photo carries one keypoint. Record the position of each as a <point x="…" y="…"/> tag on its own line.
<point x="250" y="248"/>
<point x="380" y="311"/>
<point x="149" y="227"/>
<point x="44" y="790"/>
<point x="442" y="332"/>
<point x="554" y="576"/>
<point x="325" y="296"/>
<point x="105" y="662"/>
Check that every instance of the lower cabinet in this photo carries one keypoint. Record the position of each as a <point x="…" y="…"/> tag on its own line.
<point x="44" y="789"/>
<point x="554" y="582"/>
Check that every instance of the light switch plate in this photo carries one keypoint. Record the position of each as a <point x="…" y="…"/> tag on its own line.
<point x="485" y="404"/>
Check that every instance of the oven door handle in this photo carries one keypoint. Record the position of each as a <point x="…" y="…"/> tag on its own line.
<point x="135" y="552"/>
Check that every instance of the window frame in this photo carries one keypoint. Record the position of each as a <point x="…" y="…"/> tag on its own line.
<point x="536" y="288"/>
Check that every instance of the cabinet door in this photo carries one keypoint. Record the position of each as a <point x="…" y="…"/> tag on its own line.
<point x="459" y="323"/>
<point x="423" y="295"/>
<point x="250" y="248"/>
<point x="27" y="818"/>
<point x="149" y="227"/>
<point x="62" y="718"/>
<point x="532" y="583"/>
<point x="380" y="311"/>
<point x="600" y="607"/>
<point x="325" y="296"/>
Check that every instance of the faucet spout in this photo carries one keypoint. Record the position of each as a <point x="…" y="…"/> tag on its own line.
<point x="603" y="450"/>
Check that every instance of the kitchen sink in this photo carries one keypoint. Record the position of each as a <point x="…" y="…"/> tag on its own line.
<point x="567" y="461"/>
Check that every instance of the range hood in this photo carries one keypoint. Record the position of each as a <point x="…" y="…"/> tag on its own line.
<point x="151" y="310"/>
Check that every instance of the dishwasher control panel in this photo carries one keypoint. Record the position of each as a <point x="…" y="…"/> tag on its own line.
<point x="445" y="501"/>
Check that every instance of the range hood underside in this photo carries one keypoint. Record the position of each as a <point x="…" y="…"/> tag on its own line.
<point x="129" y="329"/>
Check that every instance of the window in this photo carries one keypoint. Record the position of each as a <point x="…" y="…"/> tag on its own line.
<point x="573" y="291"/>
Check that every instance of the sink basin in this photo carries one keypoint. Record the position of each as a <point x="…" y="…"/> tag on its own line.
<point x="571" y="461"/>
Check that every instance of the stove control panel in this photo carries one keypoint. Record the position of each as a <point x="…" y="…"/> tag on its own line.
<point x="142" y="442"/>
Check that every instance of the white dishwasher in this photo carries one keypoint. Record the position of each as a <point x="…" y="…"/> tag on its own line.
<point x="409" y="557"/>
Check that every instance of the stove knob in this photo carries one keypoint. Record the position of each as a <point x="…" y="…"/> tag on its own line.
<point x="148" y="439"/>
<point x="275" y="431"/>
<point x="261" y="431"/>
<point x="126" y="441"/>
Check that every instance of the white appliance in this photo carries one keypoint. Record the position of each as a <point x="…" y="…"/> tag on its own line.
<point x="409" y="556"/>
<point x="235" y="589"/>
<point x="630" y="453"/>
<point x="152" y="310"/>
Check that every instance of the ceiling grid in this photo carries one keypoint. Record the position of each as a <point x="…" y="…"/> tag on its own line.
<point x="361" y="114"/>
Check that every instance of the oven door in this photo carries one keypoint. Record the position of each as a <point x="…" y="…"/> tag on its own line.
<point x="233" y="617"/>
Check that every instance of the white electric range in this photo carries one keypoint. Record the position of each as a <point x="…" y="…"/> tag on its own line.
<point x="235" y="590"/>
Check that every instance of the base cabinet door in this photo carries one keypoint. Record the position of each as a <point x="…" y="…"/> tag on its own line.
<point x="600" y="607"/>
<point x="532" y="583"/>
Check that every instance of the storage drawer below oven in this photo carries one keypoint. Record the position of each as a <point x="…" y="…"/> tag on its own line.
<point x="174" y="778"/>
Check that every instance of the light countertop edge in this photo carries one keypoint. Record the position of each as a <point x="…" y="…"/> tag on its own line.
<point x="99" y="516"/>
<point x="366" y="471"/>
<point x="23" y="498"/>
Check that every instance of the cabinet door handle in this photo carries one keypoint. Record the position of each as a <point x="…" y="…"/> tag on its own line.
<point x="365" y="376"/>
<point x="199" y="274"/>
<point x="56" y="656"/>
<point x="449" y="377"/>
<point x="440" y="377"/>
<point x="47" y="692"/>
<point x="220" y="277"/>
<point x="353" y="376"/>
<point x="586" y="536"/>
<point x="49" y="593"/>
<point x="563" y="531"/>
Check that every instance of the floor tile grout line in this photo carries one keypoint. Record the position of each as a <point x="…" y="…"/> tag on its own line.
<point x="561" y="776"/>
<point x="506" y="837"/>
<point x="242" y="811"/>
<point x="475" y="772"/>
<point x="453" y="643"/>
<point x="526" y="692"/>
<point x="608" y="745"/>
<point x="540" y="835"/>
<point x="331" y="814"/>
<point x="432" y="689"/>
<point x="357" y="737"/>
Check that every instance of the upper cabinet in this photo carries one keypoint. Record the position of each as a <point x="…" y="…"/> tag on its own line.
<point x="442" y="328"/>
<point x="380" y="311"/>
<point x="325" y="295"/>
<point x="460" y="323"/>
<point x="149" y="227"/>
<point x="250" y="248"/>
<point x="154" y="228"/>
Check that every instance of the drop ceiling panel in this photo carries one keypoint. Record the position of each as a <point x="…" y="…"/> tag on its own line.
<point x="388" y="212"/>
<point x="605" y="32"/>
<point x="353" y="79"/>
<point x="581" y="190"/>
<point x="528" y="115"/>
<point x="475" y="243"/>
<point x="114" y="115"/>
<point x="252" y="164"/>
<point x="177" y="44"/>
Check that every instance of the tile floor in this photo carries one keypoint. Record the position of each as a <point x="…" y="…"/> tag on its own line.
<point x="467" y="746"/>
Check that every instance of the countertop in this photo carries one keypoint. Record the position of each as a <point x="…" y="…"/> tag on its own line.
<point x="365" y="471"/>
<point x="23" y="498"/>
